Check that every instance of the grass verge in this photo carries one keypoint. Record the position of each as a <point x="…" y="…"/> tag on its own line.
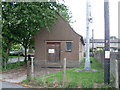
<point x="80" y="79"/>
<point x="10" y="66"/>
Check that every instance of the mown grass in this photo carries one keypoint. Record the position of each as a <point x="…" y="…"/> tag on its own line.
<point x="80" y="79"/>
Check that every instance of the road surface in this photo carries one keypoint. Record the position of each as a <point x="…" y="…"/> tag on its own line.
<point x="13" y="60"/>
<point x="10" y="85"/>
<point x="14" y="75"/>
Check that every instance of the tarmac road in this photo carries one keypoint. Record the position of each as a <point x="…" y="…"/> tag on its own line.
<point x="13" y="60"/>
<point x="10" y="85"/>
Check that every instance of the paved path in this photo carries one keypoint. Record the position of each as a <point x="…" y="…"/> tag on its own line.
<point x="14" y="75"/>
<point x="19" y="74"/>
<point x="10" y="85"/>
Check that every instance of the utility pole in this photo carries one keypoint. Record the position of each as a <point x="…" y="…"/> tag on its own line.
<point x="88" y="21"/>
<point x="93" y="42"/>
<point x="107" y="43"/>
<point x="118" y="44"/>
<point x="119" y="64"/>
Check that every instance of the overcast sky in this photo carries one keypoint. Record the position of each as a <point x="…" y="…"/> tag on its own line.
<point x="78" y="9"/>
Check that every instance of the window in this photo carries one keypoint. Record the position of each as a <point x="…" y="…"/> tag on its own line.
<point x="68" y="46"/>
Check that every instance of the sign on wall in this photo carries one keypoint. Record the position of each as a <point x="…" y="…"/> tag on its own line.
<point x="51" y="50"/>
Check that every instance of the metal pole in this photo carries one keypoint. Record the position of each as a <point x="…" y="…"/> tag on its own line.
<point x="118" y="43"/>
<point x="92" y="42"/>
<point x="88" y="19"/>
<point x="119" y="67"/>
<point x="107" y="43"/>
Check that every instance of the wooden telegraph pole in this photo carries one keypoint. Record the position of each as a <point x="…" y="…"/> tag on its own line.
<point x="107" y="43"/>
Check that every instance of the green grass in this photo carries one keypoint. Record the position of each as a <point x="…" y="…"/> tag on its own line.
<point x="79" y="79"/>
<point x="12" y="66"/>
<point x="14" y="56"/>
<point x="0" y="69"/>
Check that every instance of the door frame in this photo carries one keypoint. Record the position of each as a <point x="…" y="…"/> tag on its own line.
<point x="46" y="53"/>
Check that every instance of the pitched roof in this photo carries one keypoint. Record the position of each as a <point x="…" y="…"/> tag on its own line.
<point x="68" y="24"/>
<point x="71" y="28"/>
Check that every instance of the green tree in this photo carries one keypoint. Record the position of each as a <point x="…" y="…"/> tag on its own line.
<point x="21" y="20"/>
<point x="113" y="37"/>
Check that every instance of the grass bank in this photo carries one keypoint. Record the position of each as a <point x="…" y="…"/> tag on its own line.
<point x="80" y="79"/>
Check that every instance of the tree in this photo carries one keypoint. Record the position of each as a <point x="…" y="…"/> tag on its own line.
<point x="21" y="20"/>
<point x="64" y="12"/>
<point x="113" y="37"/>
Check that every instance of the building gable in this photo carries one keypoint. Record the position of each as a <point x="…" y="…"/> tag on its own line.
<point x="60" y="31"/>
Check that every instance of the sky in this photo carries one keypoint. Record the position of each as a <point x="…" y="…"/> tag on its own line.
<point x="78" y="9"/>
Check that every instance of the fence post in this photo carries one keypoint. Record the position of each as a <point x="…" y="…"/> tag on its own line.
<point x="64" y="71"/>
<point x="117" y="79"/>
<point x="32" y="67"/>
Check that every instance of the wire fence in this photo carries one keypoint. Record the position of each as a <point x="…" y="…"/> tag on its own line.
<point x="45" y="70"/>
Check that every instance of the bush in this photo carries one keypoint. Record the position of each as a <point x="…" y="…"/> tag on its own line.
<point x="100" y="50"/>
<point x="91" y="50"/>
<point x="4" y="59"/>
